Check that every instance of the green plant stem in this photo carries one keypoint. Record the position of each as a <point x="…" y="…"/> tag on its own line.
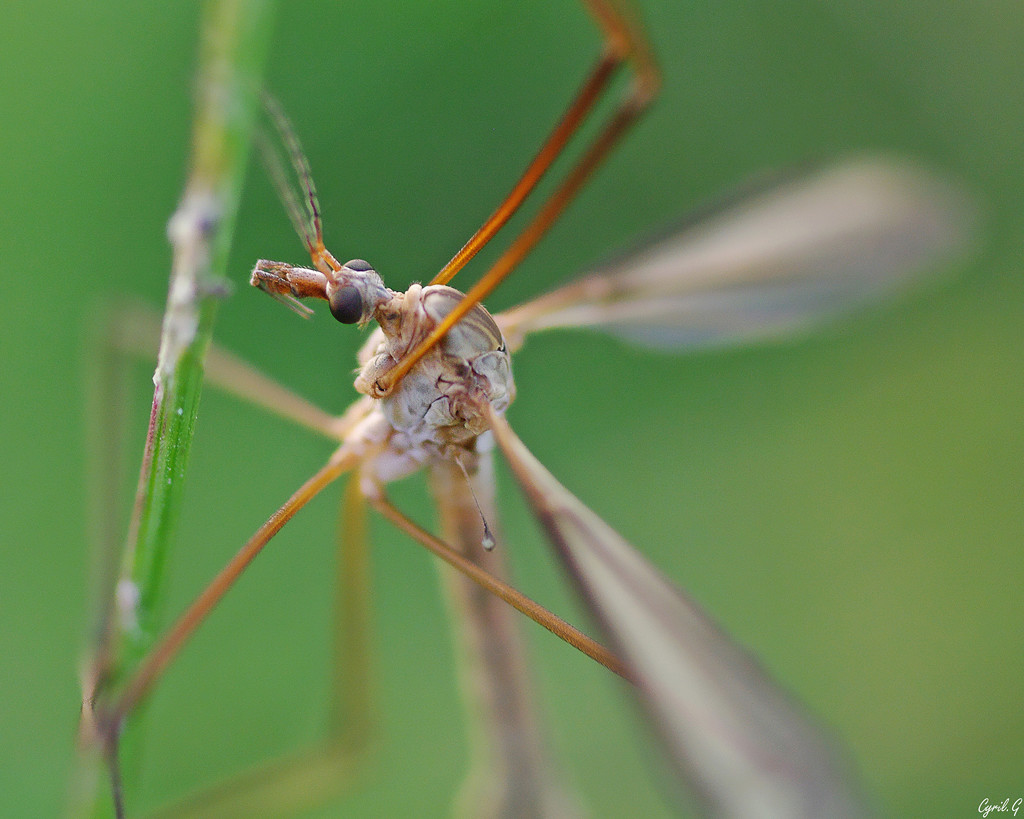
<point x="235" y="35"/>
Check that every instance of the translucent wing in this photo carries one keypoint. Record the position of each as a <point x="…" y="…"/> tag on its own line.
<point x="775" y="263"/>
<point x="744" y="745"/>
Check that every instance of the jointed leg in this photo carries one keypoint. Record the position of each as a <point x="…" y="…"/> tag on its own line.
<point x="135" y="332"/>
<point x="624" y="42"/>
<point x="519" y="601"/>
<point x="106" y="711"/>
<point x="153" y="666"/>
<point x="309" y="778"/>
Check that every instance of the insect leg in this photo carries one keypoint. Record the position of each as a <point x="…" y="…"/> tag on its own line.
<point x="582" y="104"/>
<point x="625" y="40"/>
<point x="519" y="601"/>
<point x="305" y="780"/>
<point x="111" y="715"/>
<point x="135" y="332"/>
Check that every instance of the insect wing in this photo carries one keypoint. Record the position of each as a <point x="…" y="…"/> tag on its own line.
<point x="775" y="263"/>
<point x="743" y="744"/>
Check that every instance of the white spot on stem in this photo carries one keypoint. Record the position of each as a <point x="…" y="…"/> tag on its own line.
<point x="128" y="604"/>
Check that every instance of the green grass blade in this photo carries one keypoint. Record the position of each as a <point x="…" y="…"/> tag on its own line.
<point x="235" y="34"/>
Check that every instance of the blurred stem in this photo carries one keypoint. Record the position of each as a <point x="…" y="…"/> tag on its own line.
<point x="234" y="39"/>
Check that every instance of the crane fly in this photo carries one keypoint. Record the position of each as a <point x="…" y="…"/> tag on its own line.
<point x="435" y="379"/>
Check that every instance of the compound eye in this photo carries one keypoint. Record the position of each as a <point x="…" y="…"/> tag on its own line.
<point x="359" y="265"/>
<point x="346" y="304"/>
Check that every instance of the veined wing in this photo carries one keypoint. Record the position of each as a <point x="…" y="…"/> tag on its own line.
<point x="744" y="745"/>
<point x="775" y="263"/>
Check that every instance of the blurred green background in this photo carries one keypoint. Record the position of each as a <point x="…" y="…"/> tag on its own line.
<point x="848" y="505"/>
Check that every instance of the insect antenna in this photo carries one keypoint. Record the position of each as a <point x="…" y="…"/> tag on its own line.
<point x="304" y="214"/>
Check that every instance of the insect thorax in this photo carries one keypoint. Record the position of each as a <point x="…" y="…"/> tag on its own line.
<point x="441" y="402"/>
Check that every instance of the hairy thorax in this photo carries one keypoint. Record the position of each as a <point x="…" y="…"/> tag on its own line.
<point x="441" y="402"/>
